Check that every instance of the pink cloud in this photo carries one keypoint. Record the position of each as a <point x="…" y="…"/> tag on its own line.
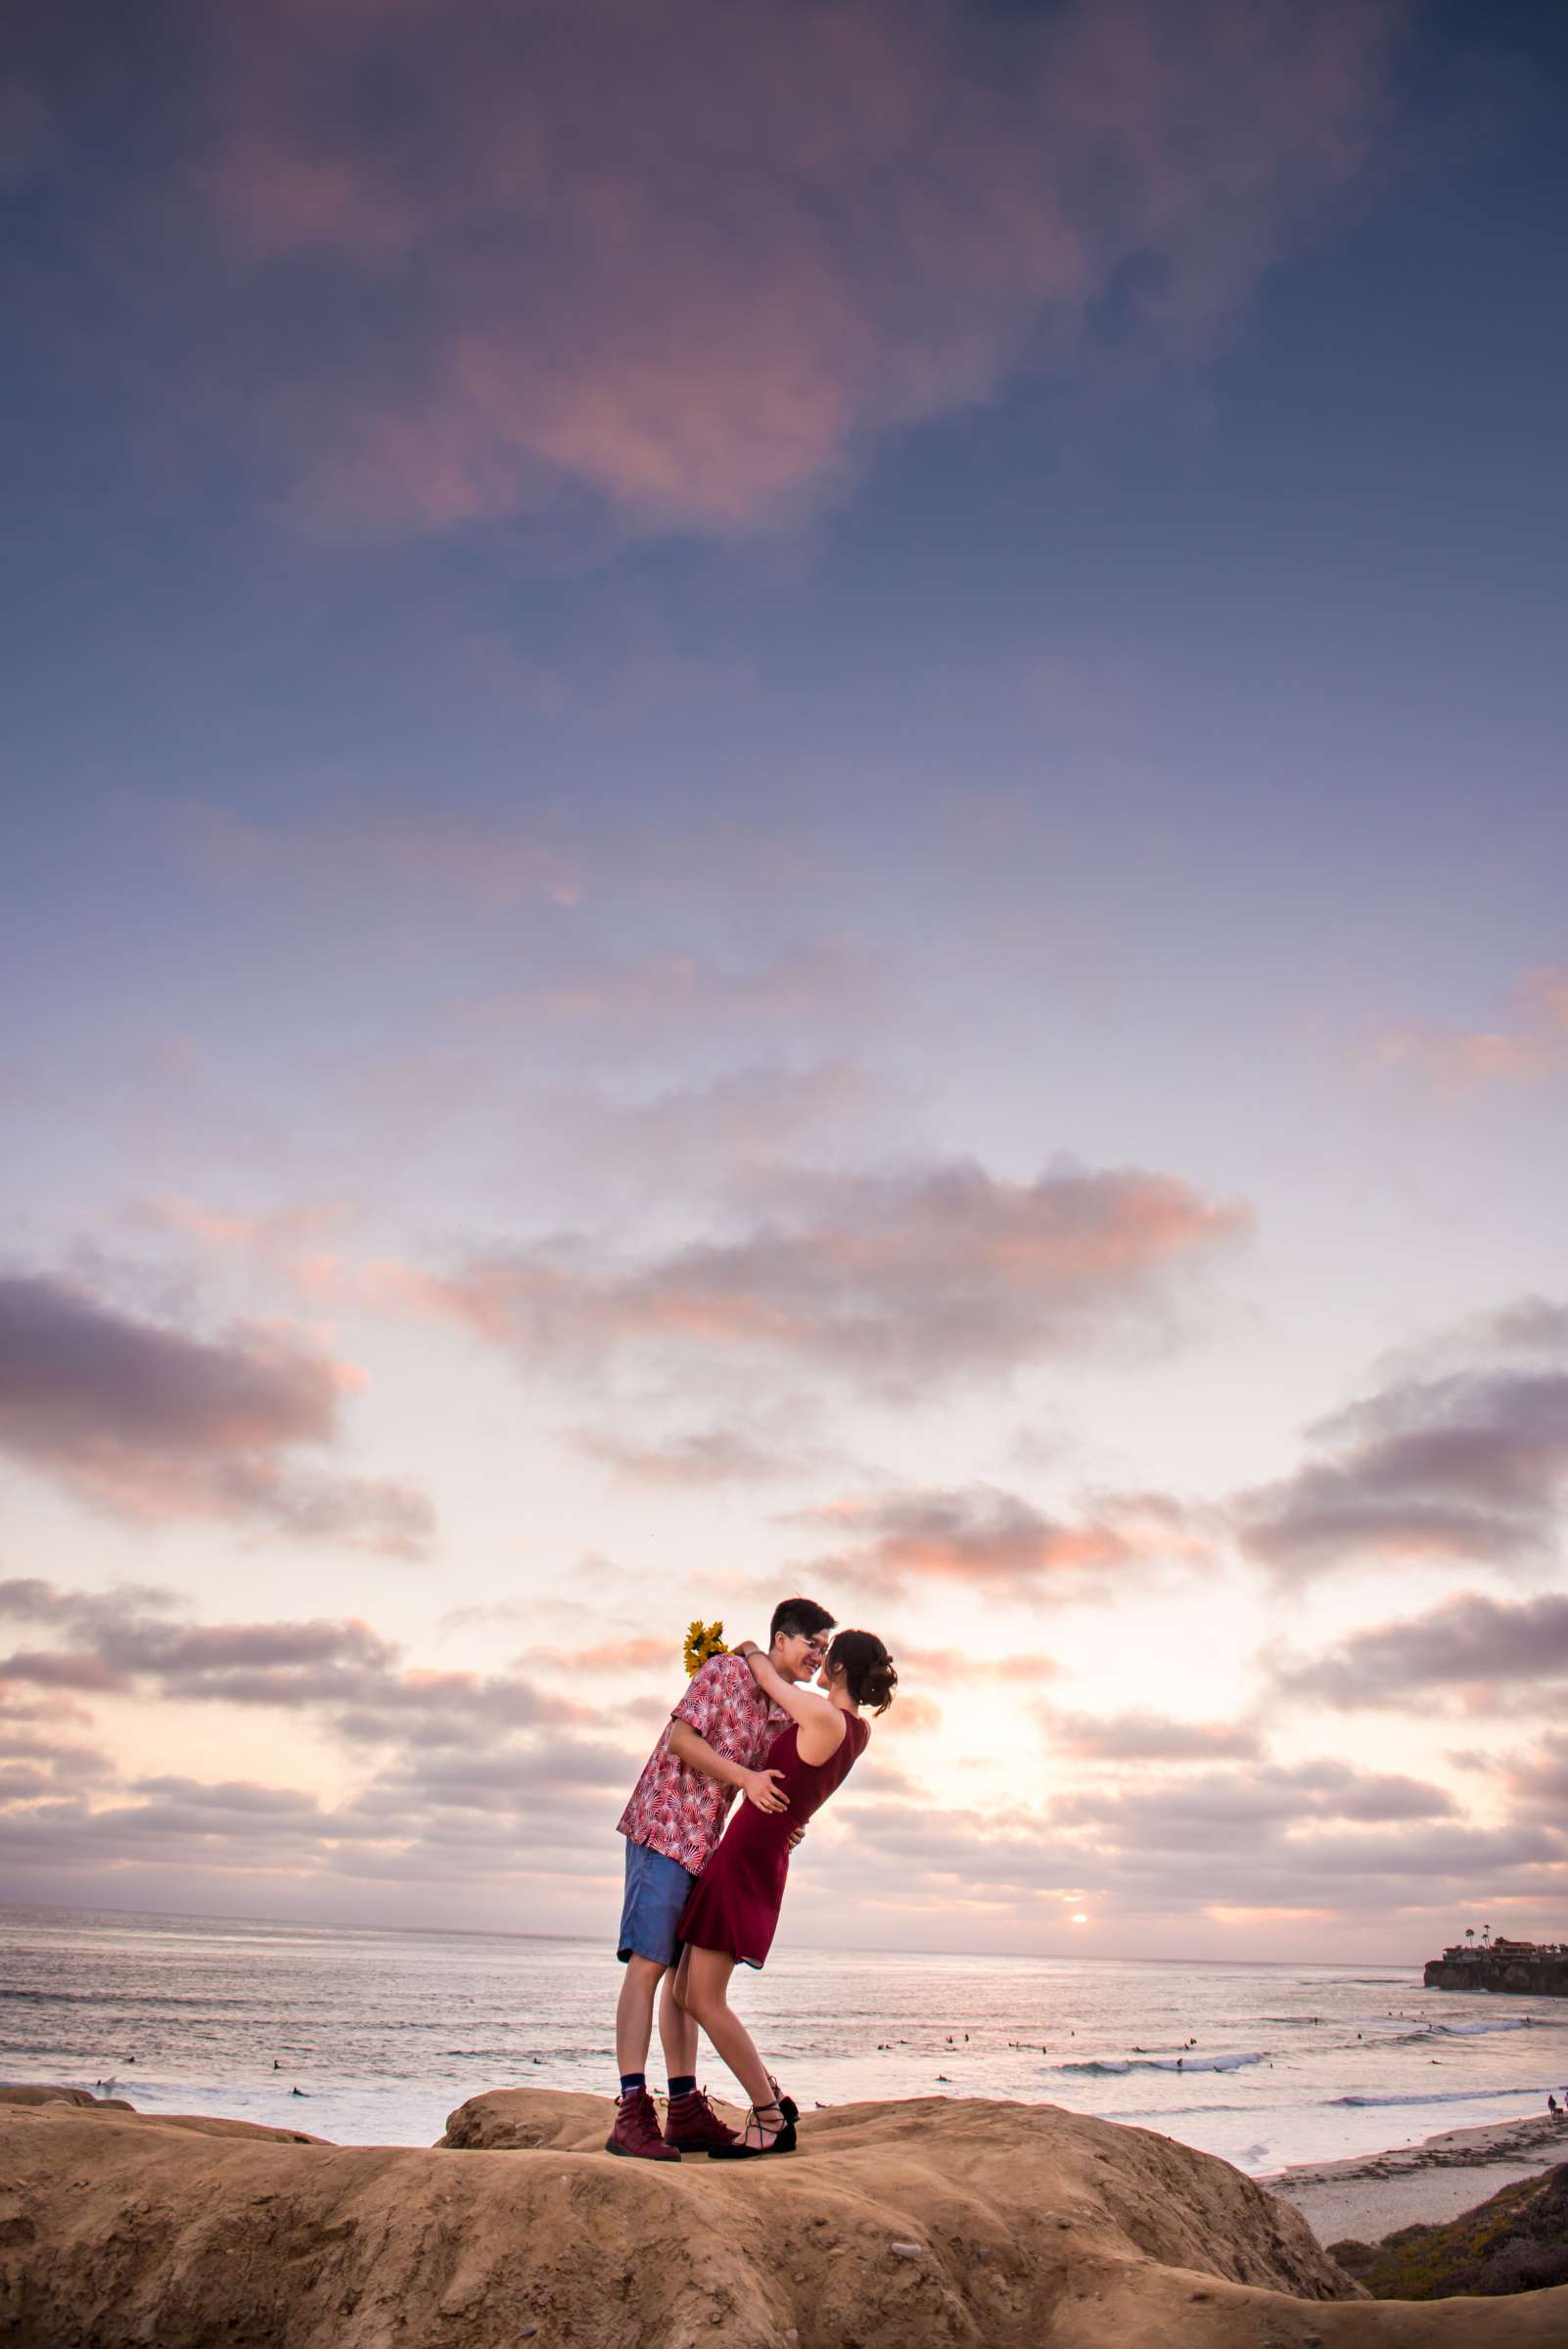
<point x="989" y="1540"/>
<point x="283" y="199"/>
<point x="362" y="850"/>
<point x="714" y="1456"/>
<point x="915" y="1713"/>
<point x="951" y="1666"/>
<point x="697" y="994"/>
<point x="900" y="1280"/>
<point x="997" y="1543"/>
<point x="609" y="1655"/>
<point x="1529" y="1043"/>
<point x="291" y="1239"/>
<point x="693" y="259"/>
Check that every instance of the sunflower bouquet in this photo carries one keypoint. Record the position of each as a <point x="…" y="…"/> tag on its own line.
<point x="703" y="1640"/>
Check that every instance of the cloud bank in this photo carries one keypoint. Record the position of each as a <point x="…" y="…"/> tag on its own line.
<point x="899" y="1282"/>
<point x="147" y="1422"/>
<point x="690" y="261"/>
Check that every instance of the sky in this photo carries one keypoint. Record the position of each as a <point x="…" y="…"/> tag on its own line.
<point x="784" y="813"/>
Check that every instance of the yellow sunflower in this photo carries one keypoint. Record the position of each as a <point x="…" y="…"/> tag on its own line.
<point x="702" y="1639"/>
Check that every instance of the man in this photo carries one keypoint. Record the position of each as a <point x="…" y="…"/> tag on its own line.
<point x="714" y="1747"/>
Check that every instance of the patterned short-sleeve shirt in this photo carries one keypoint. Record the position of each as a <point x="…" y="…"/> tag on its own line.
<point x="682" y="1812"/>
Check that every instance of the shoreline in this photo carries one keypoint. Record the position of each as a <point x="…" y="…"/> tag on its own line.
<point x="1373" y="2194"/>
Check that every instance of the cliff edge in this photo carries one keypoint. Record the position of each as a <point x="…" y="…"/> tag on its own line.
<point x="1542" y="1974"/>
<point x="897" y="2224"/>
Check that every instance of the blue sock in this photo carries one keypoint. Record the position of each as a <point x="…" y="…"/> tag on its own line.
<point x="632" y="2079"/>
<point x="683" y="2084"/>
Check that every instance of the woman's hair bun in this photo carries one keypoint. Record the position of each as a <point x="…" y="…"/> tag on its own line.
<point x="869" y="1672"/>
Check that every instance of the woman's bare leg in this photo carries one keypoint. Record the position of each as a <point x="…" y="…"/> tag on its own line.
<point x="678" y="2032"/>
<point x="702" y="1987"/>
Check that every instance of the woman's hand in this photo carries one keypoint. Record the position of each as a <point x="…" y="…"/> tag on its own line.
<point x="766" y="1675"/>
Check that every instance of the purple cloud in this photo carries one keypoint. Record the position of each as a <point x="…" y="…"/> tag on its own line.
<point x="689" y="263"/>
<point x="341" y="1670"/>
<point x="697" y="291"/>
<point x="1148" y="1737"/>
<point x="1470" y="1466"/>
<point x="147" y="1422"/>
<point x="1470" y="1646"/>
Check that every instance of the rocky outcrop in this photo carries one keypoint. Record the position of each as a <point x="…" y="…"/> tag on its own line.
<point x="201" y="2123"/>
<point x="1516" y="2242"/>
<point x="1543" y="1977"/>
<point x="895" y="2225"/>
<point x="38" y="2095"/>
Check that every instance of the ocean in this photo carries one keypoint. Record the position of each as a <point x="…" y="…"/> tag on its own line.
<point x="385" y="2033"/>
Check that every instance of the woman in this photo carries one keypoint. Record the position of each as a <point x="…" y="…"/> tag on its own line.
<point x="734" y="1904"/>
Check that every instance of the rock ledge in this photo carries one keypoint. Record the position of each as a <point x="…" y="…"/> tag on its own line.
<point x="897" y="2225"/>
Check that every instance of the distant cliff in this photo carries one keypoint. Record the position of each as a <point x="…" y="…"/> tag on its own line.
<point x="1539" y="1973"/>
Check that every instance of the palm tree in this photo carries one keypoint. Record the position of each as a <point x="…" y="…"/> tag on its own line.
<point x="1469" y="1932"/>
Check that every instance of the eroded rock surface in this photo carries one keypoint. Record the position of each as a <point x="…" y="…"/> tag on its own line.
<point x="1016" y="2226"/>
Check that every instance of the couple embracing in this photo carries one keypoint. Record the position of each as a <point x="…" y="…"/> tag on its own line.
<point x="699" y="1901"/>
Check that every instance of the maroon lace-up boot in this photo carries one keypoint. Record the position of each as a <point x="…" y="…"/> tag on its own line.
<point x="693" y="2126"/>
<point x="636" y="2130"/>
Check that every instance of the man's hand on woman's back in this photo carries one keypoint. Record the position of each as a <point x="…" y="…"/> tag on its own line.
<point x="759" y="1788"/>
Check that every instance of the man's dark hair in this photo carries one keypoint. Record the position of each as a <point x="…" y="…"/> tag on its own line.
<point x="800" y="1617"/>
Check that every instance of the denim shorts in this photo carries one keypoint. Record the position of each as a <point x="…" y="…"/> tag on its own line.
<point x="656" y="1890"/>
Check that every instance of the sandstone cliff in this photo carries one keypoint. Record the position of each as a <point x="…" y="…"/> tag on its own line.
<point x="954" y="2223"/>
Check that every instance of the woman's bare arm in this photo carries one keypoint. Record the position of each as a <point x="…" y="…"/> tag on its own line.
<point x="821" y="1722"/>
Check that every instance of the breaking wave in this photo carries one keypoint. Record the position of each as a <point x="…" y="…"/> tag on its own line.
<point x="1104" y="2066"/>
<point x="1451" y="2096"/>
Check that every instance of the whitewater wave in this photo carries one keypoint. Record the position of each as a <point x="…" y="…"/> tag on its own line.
<point x="1422" y="2034"/>
<point x="1166" y="2113"/>
<point x="1452" y="2096"/>
<point x="110" y="2003"/>
<point x="1513" y="2022"/>
<point x="1115" y="2066"/>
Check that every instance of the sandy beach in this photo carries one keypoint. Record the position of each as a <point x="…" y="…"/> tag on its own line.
<point x="1368" y="2197"/>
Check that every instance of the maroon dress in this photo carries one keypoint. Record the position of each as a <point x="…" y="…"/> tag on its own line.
<point x="735" y="1901"/>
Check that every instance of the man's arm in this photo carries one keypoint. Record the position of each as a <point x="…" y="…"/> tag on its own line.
<point x="690" y="1747"/>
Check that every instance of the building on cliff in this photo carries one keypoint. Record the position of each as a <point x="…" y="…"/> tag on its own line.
<point x="1525" y="1967"/>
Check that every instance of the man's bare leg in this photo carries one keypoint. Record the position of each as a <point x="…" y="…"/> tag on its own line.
<point x="634" y="2013"/>
<point x="636" y="2130"/>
